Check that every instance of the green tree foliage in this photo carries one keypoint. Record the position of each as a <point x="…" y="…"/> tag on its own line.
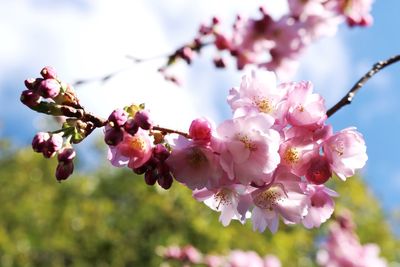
<point x="112" y="218"/>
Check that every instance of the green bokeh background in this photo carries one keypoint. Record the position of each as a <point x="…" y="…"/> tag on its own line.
<point x="112" y="218"/>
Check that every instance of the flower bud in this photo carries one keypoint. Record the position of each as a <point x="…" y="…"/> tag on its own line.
<point x="219" y="63"/>
<point x="200" y="130"/>
<point x="30" y="98"/>
<point x="160" y="152"/>
<point x="48" y="73"/>
<point x="142" y="119"/>
<point x="39" y="141"/>
<point x="113" y="136"/>
<point x="165" y="181"/>
<point x="49" y="88"/>
<point x="319" y="170"/>
<point x="118" y="117"/>
<point x="52" y="145"/>
<point x="64" y="170"/>
<point x="32" y="83"/>
<point x="131" y="127"/>
<point x="150" y="177"/>
<point x="66" y="154"/>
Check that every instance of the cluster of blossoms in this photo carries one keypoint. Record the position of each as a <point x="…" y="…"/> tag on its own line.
<point x="128" y="135"/>
<point x="342" y="248"/>
<point x="275" y="44"/>
<point x="190" y="256"/>
<point x="269" y="162"/>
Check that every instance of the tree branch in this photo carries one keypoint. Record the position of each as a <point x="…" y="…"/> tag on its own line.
<point x="346" y="100"/>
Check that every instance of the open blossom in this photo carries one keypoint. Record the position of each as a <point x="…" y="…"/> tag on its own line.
<point x="231" y="200"/>
<point x="194" y="164"/>
<point x="250" y="148"/>
<point x="305" y="108"/>
<point x="320" y="205"/>
<point x="133" y="151"/>
<point x="284" y="197"/>
<point x="258" y="93"/>
<point x="346" y="152"/>
<point x="342" y="248"/>
<point x="357" y="12"/>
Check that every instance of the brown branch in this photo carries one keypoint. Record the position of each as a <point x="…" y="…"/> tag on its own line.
<point x="170" y="131"/>
<point x="346" y="100"/>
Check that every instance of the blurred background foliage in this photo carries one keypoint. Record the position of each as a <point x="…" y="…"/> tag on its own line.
<point x="112" y="218"/>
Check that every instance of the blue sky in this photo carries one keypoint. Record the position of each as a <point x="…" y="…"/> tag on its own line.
<point x="83" y="39"/>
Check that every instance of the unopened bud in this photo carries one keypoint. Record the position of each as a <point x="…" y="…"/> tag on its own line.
<point x="113" y="136"/>
<point x="32" y="83"/>
<point x="319" y="171"/>
<point x="39" y="141"/>
<point x="131" y="127"/>
<point x="200" y="130"/>
<point x="48" y="73"/>
<point x="219" y="63"/>
<point x="30" y="98"/>
<point x="160" y="152"/>
<point x="49" y="88"/>
<point x="64" y="170"/>
<point x="150" y="177"/>
<point x="142" y="119"/>
<point x="165" y="181"/>
<point x="66" y="154"/>
<point x="118" y="117"/>
<point x="52" y="145"/>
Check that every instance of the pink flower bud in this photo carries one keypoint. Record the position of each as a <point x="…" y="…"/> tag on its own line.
<point x="150" y="177"/>
<point x="52" y="145"/>
<point x="118" y="117"/>
<point x="165" y="181"/>
<point x="64" y="170"/>
<point x="200" y="130"/>
<point x="319" y="170"/>
<point x="49" y="88"/>
<point x="113" y="136"/>
<point x="215" y="20"/>
<point x="66" y="154"/>
<point x="219" y="63"/>
<point x="160" y="152"/>
<point x="221" y="42"/>
<point x="39" y="141"/>
<point x="30" y="98"/>
<point x="32" y="83"/>
<point x="142" y="119"/>
<point x="48" y="73"/>
<point x="131" y="127"/>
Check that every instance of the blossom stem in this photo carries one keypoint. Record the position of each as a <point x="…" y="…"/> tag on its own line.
<point x="347" y="99"/>
<point x="170" y="131"/>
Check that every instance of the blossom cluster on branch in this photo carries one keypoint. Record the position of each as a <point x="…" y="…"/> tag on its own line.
<point x="268" y="163"/>
<point x="273" y="44"/>
<point x="340" y="249"/>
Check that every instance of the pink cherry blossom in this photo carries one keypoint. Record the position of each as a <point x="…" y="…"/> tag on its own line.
<point x="250" y="148"/>
<point x="133" y="151"/>
<point x="238" y="258"/>
<point x="346" y="151"/>
<point x="305" y="108"/>
<point x="257" y="93"/>
<point x="194" y="164"/>
<point x="342" y="248"/>
<point x="232" y="201"/>
<point x="357" y="12"/>
<point x="284" y="197"/>
<point x="320" y="205"/>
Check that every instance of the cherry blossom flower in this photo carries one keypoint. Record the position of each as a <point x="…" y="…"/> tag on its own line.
<point x="250" y="148"/>
<point x="346" y="152"/>
<point x="284" y="197"/>
<point x="320" y="205"/>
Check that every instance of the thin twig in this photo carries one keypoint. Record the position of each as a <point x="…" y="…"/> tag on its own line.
<point x="346" y="100"/>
